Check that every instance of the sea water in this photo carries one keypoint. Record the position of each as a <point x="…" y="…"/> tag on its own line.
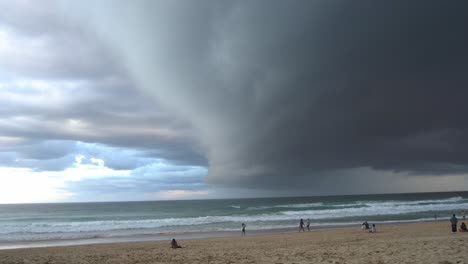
<point x="72" y="221"/>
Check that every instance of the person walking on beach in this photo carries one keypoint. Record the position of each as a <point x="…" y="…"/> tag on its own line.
<point x="243" y="229"/>
<point x="453" y="222"/>
<point x="301" y="225"/>
<point x="308" y="224"/>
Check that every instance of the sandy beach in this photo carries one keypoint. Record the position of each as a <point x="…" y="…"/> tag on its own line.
<point x="403" y="243"/>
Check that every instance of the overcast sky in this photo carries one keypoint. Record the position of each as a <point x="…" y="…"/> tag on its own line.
<point x="143" y="100"/>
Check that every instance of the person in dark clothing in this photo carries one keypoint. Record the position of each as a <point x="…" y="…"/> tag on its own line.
<point x="301" y="225"/>
<point x="453" y="222"/>
<point x="243" y="229"/>
<point x="463" y="227"/>
<point x="174" y="244"/>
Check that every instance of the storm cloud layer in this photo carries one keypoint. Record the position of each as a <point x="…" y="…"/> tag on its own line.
<point x="209" y="99"/>
<point x="282" y="92"/>
<point x="71" y="120"/>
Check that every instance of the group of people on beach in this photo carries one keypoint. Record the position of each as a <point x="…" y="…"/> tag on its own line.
<point x="366" y="226"/>
<point x="454" y="223"/>
<point x="301" y="226"/>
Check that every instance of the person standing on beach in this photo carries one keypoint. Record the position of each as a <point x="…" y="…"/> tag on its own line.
<point x="308" y="224"/>
<point x="301" y="225"/>
<point x="463" y="214"/>
<point x="243" y="229"/>
<point x="453" y="222"/>
<point x="366" y="225"/>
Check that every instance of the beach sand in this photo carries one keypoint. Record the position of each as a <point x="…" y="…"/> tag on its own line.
<point x="402" y="243"/>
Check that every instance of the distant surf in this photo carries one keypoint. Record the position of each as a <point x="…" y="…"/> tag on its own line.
<point x="42" y="222"/>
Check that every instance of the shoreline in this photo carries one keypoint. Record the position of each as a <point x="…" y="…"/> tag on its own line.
<point x="427" y="242"/>
<point x="7" y="245"/>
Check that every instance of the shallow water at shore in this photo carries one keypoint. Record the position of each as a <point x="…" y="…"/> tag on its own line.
<point x="31" y="225"/>
<point x="429" y="242"/>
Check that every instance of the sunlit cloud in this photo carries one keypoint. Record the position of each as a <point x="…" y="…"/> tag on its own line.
<point x="10" y="141"/>
<point x="99" y="172"/>
<point x="20" y="185"/>
<point x="178" y="194"/>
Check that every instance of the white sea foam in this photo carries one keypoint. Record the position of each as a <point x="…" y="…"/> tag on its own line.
<point x="329" y="214"/>
<point x="450" y="200"/>
<point x="371" y="208"/>
<point x="299" y="205"/>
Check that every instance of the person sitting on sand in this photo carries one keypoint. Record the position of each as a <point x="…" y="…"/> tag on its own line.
<point x="174" y="244"/>
<point x="463" y="227"/>
<point x="373" y="230"/>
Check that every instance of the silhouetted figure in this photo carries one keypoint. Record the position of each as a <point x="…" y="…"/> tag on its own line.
<point x="301" y="225"/>
<point x="366" y="225"/>
<point x="453" y="222"/>
<point x="243" y="229"/>
<point x="174" y="244"/>
<point x="463" y="227"/>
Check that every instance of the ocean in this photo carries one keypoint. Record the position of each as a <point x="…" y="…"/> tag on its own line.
<point x="24" y="224"/>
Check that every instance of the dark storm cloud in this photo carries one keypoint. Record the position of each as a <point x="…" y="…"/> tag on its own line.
<point x="282" y="92"/>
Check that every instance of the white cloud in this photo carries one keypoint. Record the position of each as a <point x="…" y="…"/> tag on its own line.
<point x="7" y="141"/>
<point x="62" y="88"/>
<point x="81" y="170"/>
<point x="19" y="185"/>
<point x="41" y="94"/>
<point x="178" y="194"/>
<point x="17" y="51"/>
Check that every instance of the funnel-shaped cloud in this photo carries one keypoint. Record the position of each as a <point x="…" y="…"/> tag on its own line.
<point x="280" y="92"/>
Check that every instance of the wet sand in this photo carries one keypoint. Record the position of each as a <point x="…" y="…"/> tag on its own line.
<point x="402" y="243"/>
